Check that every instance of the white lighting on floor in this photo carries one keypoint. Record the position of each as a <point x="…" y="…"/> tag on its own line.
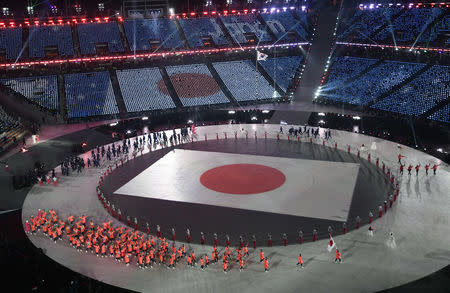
<point x="321" y="114"/>
<point x="356" y="118"/>
<point x="145" y="118"/>
<point x="231" y="112"/>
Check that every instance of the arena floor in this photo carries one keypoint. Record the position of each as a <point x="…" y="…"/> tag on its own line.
<point x="419" y="218"/>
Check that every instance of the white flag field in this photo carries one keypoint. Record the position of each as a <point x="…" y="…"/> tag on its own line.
<point x="331" y="244"/>
<point x="261" y="56"/>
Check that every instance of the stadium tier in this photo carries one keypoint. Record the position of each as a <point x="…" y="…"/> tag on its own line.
<point x="42" y="37"/>
<point x="442" y="115"/>
<point x="282" y="70"/>
<point x="195" y="85"/>
<point x="40" y="89"/>
<point x="89" y="94"/>
<point x="369" y="86"/>
<point x="283" y="22"/>
<point x="11" y="42"/>
<point x="196" y="29"/>
<point x="92" y="34"/>
<point x="365" y="22"/>
<point x="440" y="29"/>
<point x="144" y="89"/>
<point x="421" y="94"/>
<point x="243" y="81"/>
<point x="240" y="26"/>
<point x="409" y="25"/>
<point x="145" y="34"/>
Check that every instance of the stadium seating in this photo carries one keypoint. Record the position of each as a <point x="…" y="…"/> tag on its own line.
<point x="196" y="28"/>
<point x="56" y="35"/>
<point x="89" y="94"/>
<point x="243" y="81"/>
<point x="140" y="90"/>
<point x="90" y="34"/>
<point x="421" y="94"/>
<point x="408" y="26"/>
<point x="238" y="25"/>
<point x="282" y="69"/>
<point x="372" y="84"/>
<point x="442" y="27"/>
<point x="193" y="98"/>
<point x="365" y="22"/>
<point x="40" y="89"/>
<point x="11" y="42"/>
<point x="342" y="69"/>
<point x="283" y="22"/>
<point x="442" y="115"/>
<point x="141" y="31"/>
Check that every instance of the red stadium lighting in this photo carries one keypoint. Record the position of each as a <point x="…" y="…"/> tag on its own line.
<point x="233" y="11"/>
<point x="60" y="21"/>
<point x="213" y="12"/>
<point x="36" y="22"/>
<point x="192" y="13"/>
<point x="83" y="20"/>
<point x="120" y="18"/>
<point x="205" y="12"/>
<point x="97" y="19"/>
<point x="106" y="19"/>
<point x="225" y="12"/>
<point x="12" y="24"/>
<point x="245" y="11"/>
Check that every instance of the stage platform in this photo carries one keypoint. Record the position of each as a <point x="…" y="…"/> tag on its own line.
<point x="419" y="220"/>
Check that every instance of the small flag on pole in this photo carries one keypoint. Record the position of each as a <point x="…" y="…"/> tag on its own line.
<point x="261" y="56"/>
<point x="331" y="244"/>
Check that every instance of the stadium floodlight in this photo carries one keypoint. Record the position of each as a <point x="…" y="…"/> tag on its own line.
<point x="172" y="11"/>
<point x="145" y="118"/>
<point x="440" y="150"/>
<point x="208" y="3"/>
<point x="249" y="1"/>
<point x="254" y="118"/>
<point x="231" y="112"/>
<point x="265" y="111"/>
<point x="30" y="10"/>
<point x="113" y="124"/>
<point x="5" y="11"/>
<point x="190" y="121"/>
<point x="356" y="118"/>
<point x="321" y="114"/>
<point x="101" y="7"/>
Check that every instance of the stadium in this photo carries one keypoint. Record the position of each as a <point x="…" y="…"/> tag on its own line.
<point x="225" y="146"/>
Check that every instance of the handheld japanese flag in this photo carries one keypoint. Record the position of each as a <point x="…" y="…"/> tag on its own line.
<point x="331" y="244"/>
<point x="261" y="56"/>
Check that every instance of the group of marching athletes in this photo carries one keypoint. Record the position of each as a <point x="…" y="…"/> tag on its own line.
<point x="416" y="167"/>
<point x="128" y="245"/>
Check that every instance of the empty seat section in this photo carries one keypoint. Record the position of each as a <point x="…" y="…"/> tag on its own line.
<point x="197" y="28"/>
<point x="89" y="94"/>
<point x="282" y="22"/>
<point x="96" y="33"/>
<point x="144" y="89"/>
<point x="243" y="81"/>
<point x="282" y="69"/>
<point x="59" y="36"/>
<point x="421" y="94"/>
<point x="195" y="85"/>
<point x="239" y="25"/>
<point x="40" y="89"/>
<point x="140" y="32"/>
<point x="11" y="42"/>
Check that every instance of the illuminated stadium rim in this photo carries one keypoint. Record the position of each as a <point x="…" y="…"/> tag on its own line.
<point x="440" y="50"/>
<point x="148" y="55"/>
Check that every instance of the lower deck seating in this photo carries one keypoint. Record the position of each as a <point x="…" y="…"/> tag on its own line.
<point x="89" y="94"/>
<point x="143" y="89"/>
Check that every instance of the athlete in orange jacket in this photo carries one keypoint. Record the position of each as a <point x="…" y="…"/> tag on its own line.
<point x="300" y="260"/>
<point x="338" y="256"/>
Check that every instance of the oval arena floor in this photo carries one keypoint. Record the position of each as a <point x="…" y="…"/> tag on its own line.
<point x="311" y="186"/>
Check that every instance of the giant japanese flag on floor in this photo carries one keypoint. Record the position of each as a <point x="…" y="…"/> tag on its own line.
<point x="298" y="187"/>
<point x="331" y="244"/>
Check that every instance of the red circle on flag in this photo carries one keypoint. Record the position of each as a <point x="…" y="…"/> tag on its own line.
<point x="242" y="179"/>
<point x="191" y="85"/>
